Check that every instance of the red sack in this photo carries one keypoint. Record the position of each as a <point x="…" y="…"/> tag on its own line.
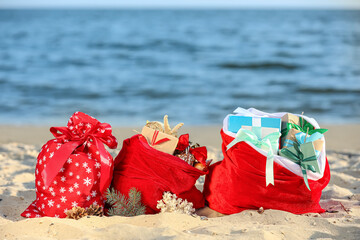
<point x="74" y="169"/>
<point x="238" y="183"/>
<point x="154" y="172"/>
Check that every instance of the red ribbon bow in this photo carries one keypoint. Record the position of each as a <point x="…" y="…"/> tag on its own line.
<point x="81" y="128"/>
<point x="200" y="153"/>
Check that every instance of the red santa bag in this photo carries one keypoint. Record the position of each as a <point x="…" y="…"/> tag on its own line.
<point x="154" y="172"/>
<point x="238" y="183"/>
<point x="74" y="169"/>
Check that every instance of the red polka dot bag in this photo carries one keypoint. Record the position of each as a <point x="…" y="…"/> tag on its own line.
<point x="74" y="169"/>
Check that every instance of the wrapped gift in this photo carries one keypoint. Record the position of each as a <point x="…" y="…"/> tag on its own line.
<point x="300" y="137"/>
<point x="160" y="141"/>
<point x="74" y="169"/>
<point x="290" y="121"/>
<point x="304" y="155"/>
<point x="261" y="126"/>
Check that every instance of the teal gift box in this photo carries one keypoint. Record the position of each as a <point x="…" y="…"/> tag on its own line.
<point x="305" y="156"/>
<point x="261" y="126"/>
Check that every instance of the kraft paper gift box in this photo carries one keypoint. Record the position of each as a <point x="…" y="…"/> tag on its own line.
<point x="261" y="126"/>
<point x="289" y="118"/>
<point x="295" y="135"/>
<point x="160" y="141"/>
<point x="290" y="121"/>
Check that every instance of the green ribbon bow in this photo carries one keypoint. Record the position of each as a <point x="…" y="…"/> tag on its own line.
<point x="268" y="144"/>
<point x="309" y="163"/>
<point x="305" y="126"/>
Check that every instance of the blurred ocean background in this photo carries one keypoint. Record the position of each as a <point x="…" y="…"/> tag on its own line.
<point x="128" y="66"/>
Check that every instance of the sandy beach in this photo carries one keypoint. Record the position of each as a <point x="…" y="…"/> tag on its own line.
<point x="20" y="145"/>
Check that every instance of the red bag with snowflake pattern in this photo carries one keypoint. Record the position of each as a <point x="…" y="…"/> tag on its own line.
<point x="74" y="169"/>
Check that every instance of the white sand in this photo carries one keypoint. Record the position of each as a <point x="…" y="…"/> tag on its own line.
<point x="17" y="165"/>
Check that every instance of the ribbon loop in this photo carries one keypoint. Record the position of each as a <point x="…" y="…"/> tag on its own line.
<point x="80" y="129"/>
<point x="269" y="144"/>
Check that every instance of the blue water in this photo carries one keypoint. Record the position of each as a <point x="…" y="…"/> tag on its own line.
<point x="128" y="66"/>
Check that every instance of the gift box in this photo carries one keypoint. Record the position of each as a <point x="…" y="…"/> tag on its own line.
<point x="291" y="121"/>
<point x="305" y="156"/>
<point x="74" y="169"/>
<point x="300" y="137"/>
<point x="261" y="126"/>
<point x="160" y="141"/>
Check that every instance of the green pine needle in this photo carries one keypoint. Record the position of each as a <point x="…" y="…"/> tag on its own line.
<point x="123" y="206"/>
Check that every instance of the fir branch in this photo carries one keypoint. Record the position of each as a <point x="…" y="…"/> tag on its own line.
<point x="123" y="206"/>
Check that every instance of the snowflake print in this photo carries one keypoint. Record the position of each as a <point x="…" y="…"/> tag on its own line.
<point x="43" y="206"/>
<point x="85" y="165"/>
<point x="99" y="174"/>
<point x="97" y="165"/>
<point x="63" y="178"/>
<point x="87" y="181"/>
<point x="37" y="171"/>
<point x="70" y="174"/>
<point x="38" y="183"/>
<point x="40" y="162"/>
<point x="55" y="182"/>
<point x="53" y="194"/>
<point x="76" y="185"/>
<point x="51" y="154"/>
<point x="65" y="210"/>
<point x="58" y="206"/>
<point x="57" y="216"/>
<point x="69" y="161"/>
<point x="37" y="215"/>
<point x="62" y="190"/>
<point x="28" y="215"/>
<point x="78" y="193"/>
<point x="88" y="125"/>
<point x="88" y="170"/>
<point x="97" y="152"/>
<point x="77" y="164"/>
<point x="47" y="150"/>
<point x="62" y="169"/>
<point x="58" y="147"/>
<point x="93" y="193"/>
<point x="74" y="204"/>
<point x="89" y="155"/>
<point x="43" y="187"/>
<point x="89" y="145"/>
<point x="88" y="198"/>
<point x="77" y="177"/>
<point x="51" y="189"/>
<point x="95" y="203"/>
<point x="50" y="203"/>
<point x="95" y="182"/>
<point x="63" y="199"/>
<point x="71" y="189"/>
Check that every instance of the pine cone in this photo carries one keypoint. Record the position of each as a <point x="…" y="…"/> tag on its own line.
<point x="187" y="157"/>
<point x="95" y="210"/>
<point x="76" y="213"/>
